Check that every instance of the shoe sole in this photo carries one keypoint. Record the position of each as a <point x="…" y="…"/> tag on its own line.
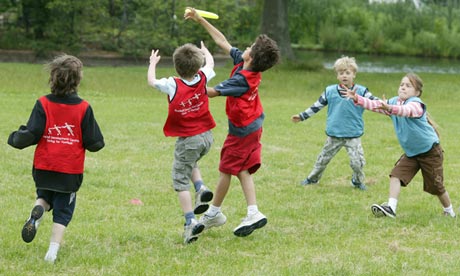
<point x="29" y="230"/>
<point x="206" y="196"/>
<point x="380" y="212"/>
<point x="200" y="209"/>
<point x="247" y="230"/>
<point x="195" y="232"/>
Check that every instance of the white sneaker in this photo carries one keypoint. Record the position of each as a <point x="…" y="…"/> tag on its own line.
<point x="218" y="220"/>
<point x="202" y="199"/>
<point x="30" y="227"/>
<point x="192" y="231"/>
<point x="249" y="224"/>
<point x="50" y="258"/>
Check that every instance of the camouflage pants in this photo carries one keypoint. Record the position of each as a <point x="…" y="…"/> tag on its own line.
<point x="331" y="148"/>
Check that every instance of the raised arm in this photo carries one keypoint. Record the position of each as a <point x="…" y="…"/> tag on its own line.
<point x="216" y="35"/>
<point x="151" y="74"/>
<point x="207" y="56"/>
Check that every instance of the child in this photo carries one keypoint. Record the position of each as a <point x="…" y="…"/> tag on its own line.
<point x="241" y="152"/>
<point x="188" y="119"/>
<point x="344" y="125"/>
<point x="62" y="125"/>
<point x="419" y="140"/>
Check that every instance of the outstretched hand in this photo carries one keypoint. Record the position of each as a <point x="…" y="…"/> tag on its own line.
<point x="384" y="105"/>
<point x="204" y="50"/>
<point x="351" y="94"/>
<point x="154" y="57"/>
<point x="295" y="118"/>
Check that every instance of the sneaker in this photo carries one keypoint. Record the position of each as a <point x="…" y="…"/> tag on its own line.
<point x="218" y="220"/>
<point x="382" y="210"/>
<point x="357" y="185"/>
<point x="202" y="198"/>
<point x="192" y="231"/>
<point x="249" y="224"/>
<point x="447" y="214"/>
<point x="50" y="258"/>
<point x="307" y="181"/>
<point x="30" y="227"/>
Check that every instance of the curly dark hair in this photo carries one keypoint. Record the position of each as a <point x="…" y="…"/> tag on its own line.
<point x="65" y="74"/>
<point x="264" y="53"/>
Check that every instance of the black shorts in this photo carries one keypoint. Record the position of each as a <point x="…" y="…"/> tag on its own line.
<point x="62" y="204"/>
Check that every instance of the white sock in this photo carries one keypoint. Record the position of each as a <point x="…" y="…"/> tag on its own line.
<point x="450" y="210"/>
<point x="52" y="252"/>
<point x="213" y="210"/>
<point x="252" y="209"/>
<point x="393" y="203"/>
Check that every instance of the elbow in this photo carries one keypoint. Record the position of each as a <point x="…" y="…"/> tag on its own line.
<point x="95" y="146"/>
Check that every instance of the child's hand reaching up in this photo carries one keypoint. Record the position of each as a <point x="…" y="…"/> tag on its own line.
<point x="154" y="57"/>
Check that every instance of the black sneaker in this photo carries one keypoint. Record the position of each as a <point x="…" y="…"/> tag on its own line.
<point x="382" y="210"/>
<point x="30" y="227"/>
<point x="308" y="181"/>
<point x="358" y="185"/>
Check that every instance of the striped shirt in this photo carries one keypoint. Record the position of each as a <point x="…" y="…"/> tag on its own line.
<point x="322" y="102"/>
<point x="411" y="110"/>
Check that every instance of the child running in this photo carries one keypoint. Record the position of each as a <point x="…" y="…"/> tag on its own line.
<point x="241" y="152"/>
<point x="344" y="125"/>
<point x="419" y="140"/>
<point x="62" y="125"/>
<point x="191" y="122"/>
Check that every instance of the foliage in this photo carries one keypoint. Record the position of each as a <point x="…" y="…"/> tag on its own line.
<point x="134" y="27"/>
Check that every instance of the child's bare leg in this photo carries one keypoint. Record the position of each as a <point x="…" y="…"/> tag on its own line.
<point x="248" y="186"/>
<point x="447" y="204"/>
<point x="254" y="219"/>
<point x="445" y="199"/>
<point x="43" y="203"/>
<point x="222" y="188"/>
<point x="185" y="201"/>
<point x="57" y="234"/>
<point x="196" y="174"/>
<point x="395" y="187"/>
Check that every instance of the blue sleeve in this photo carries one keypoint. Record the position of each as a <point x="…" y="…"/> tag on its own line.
<point x="236" y="55"/>
<point x="234" y="86"/>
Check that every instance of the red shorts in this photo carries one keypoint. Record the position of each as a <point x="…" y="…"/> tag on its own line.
<point x="241" y="153"/>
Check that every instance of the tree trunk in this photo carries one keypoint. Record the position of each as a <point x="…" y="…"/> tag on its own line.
<point x="275" y="25"/>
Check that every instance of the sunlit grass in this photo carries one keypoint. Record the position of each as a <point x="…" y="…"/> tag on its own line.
<point x="326" y="229"/>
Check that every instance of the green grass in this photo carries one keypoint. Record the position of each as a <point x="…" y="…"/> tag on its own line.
<point x="326" y="229"/>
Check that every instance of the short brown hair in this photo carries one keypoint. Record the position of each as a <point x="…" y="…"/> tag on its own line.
<point x="188" y="59"/>
<point x="264" y="53"/>
<point x="65" y="74"/>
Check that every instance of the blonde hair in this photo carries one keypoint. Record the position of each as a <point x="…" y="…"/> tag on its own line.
<point x="417" y="83"/>
<point x="345" y="63"/>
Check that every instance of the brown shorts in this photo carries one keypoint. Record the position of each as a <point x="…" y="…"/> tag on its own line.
<point x="241" y="153"/>
<point x="432" y="171"/>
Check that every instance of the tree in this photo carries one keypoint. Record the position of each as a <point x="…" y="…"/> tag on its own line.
<point x="275" y="25"/>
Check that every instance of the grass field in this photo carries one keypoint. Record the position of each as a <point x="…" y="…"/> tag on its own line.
<point x="326" y="229"/>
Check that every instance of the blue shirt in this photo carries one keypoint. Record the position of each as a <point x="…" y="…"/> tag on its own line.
<point x="415" y="135"/>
